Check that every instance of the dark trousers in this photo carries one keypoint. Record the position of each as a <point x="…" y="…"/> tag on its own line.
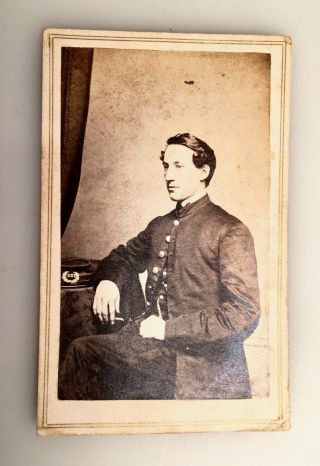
<point x="121" y="365"/>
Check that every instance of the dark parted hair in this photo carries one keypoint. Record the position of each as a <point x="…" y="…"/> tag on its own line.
<point x="202" y="153"/>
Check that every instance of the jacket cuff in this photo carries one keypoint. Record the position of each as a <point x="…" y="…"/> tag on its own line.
<point x="120" y="279"/>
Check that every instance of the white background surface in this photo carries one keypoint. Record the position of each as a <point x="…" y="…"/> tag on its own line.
<point x="22" y="23"/>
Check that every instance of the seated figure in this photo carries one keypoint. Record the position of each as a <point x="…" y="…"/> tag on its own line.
<point x="202" y="299"/>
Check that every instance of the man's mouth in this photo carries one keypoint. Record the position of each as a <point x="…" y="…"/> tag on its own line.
<point x="171" y="188"/>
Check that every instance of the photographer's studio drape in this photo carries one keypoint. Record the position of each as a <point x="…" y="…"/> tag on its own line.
<point x="76" y="67"/>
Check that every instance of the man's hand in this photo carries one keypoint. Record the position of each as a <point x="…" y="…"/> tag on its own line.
<point x="153" y="327"/>
<point x="106" y="301"/>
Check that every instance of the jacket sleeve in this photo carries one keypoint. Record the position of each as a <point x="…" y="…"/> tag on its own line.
<point x="122" y="261"/>
<point x="239" y="311"/>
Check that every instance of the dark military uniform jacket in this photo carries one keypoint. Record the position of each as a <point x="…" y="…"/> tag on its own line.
<point x="211" y="293"/>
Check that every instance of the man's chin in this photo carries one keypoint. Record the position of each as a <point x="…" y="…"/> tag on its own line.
<point x="175" y="197"/>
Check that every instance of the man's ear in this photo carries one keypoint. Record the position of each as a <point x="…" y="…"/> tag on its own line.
<point x="205" y="170"/>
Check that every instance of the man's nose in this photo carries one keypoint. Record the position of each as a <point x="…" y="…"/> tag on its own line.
<point x="168" y="175"/>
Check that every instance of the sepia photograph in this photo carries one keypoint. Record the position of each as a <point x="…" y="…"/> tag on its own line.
<point x="163" y="233"/>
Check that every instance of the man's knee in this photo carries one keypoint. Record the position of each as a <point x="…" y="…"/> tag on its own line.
<point x="88" y="347"/>
<point x="78" y="349"/>
<point x="78" y="345"/>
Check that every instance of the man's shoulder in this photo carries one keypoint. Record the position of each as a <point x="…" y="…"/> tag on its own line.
<point x="162" y="219"/>
<point x="226" y="224"/>
<point x="220" y="215"/>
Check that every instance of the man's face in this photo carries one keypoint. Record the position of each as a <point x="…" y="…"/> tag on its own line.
<point x="182" y="177"/>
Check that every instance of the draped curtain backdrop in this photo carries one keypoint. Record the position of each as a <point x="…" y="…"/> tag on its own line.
<point x="76" y="67"/>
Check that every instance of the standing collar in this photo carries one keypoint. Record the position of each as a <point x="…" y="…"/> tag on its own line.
<point x="193" y="198"/>
<point x="181" y="211"/>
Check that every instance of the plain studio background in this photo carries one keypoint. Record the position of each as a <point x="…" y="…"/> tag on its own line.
<point x="21" y="27"/>
<point x="140" y="98"/>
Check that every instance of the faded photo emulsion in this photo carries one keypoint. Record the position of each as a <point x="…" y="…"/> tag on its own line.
<point x="164" y="195"/>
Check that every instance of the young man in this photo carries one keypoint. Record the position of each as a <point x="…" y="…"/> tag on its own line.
<point x="202" y="299"/>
